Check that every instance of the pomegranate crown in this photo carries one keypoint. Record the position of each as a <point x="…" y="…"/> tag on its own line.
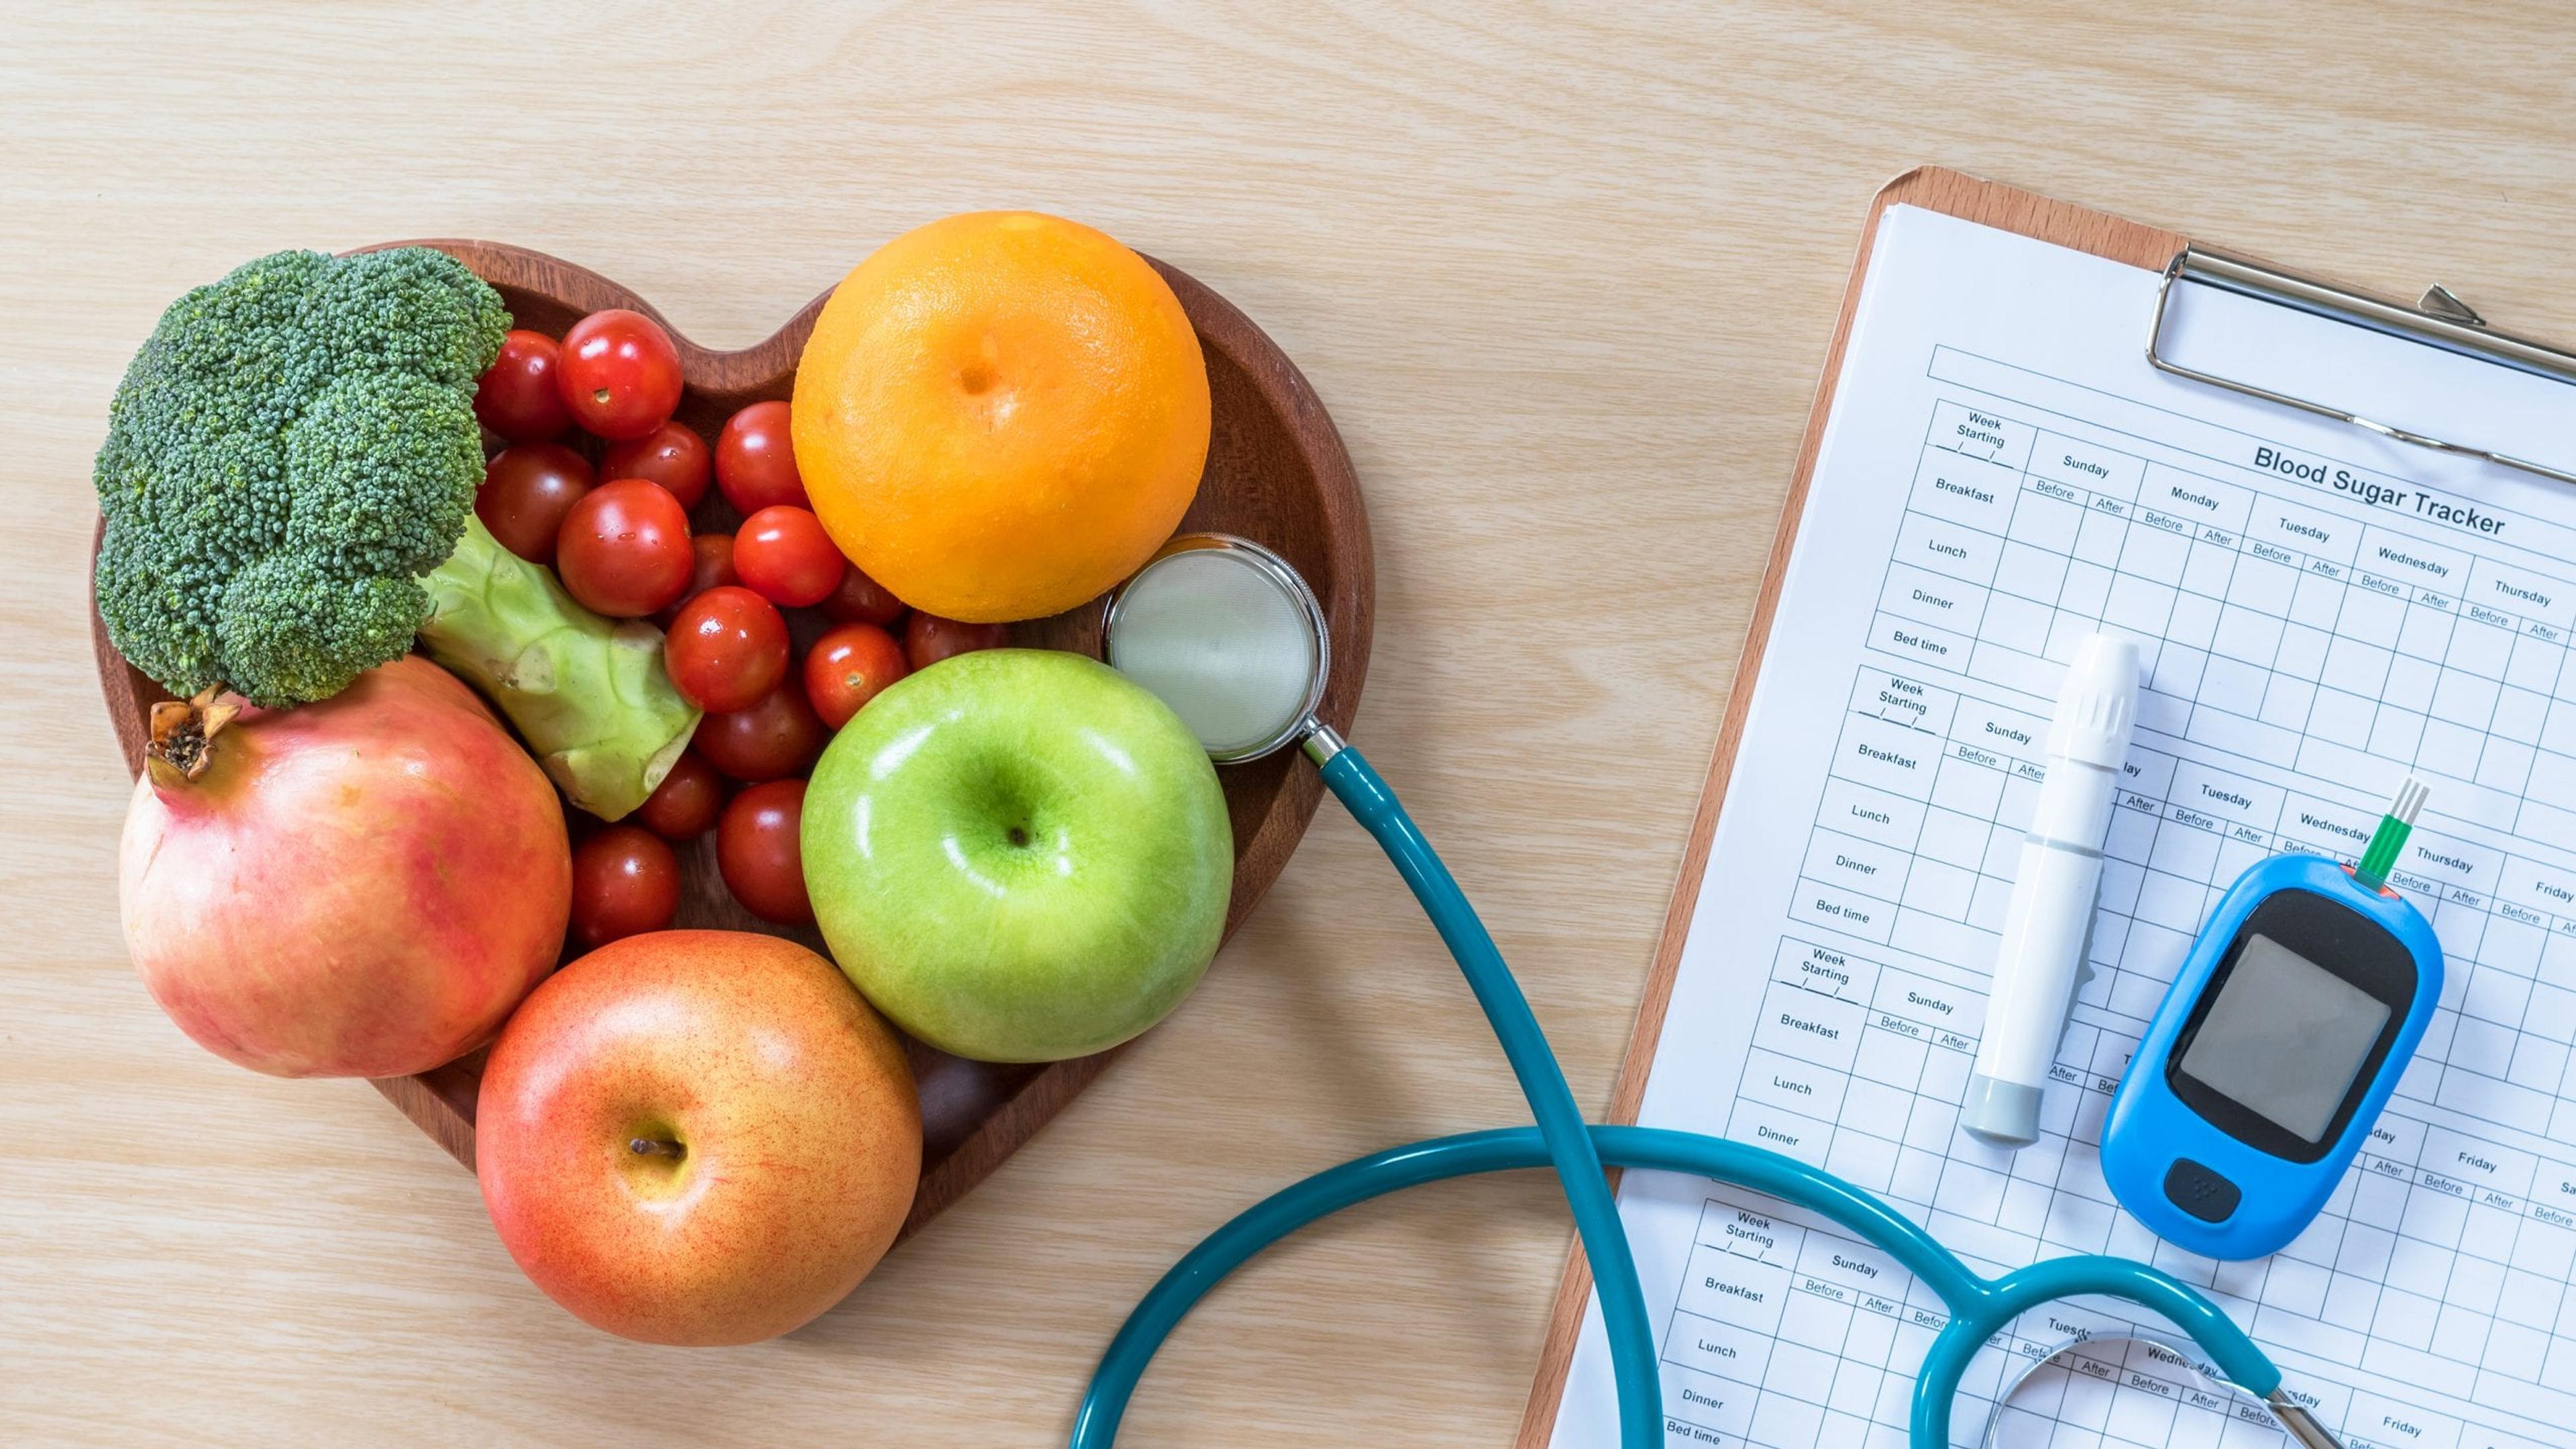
<point x="182" y="732"/>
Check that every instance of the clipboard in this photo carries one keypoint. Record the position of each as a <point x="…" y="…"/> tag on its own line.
<point x="2438" y="319"/>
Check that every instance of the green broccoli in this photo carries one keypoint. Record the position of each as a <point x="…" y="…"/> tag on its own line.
<point x="288" y="491"/>
<point x="291" y="450"/>
<point x="590" y="695"/>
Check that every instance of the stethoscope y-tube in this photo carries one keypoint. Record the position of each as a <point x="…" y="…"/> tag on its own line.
<point x="1979" y="1307"/>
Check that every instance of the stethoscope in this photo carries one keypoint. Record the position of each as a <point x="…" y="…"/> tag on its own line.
<point x="1233" y="639"/>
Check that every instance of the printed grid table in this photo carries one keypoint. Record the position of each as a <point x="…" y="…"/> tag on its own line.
<point x="2299" y="648"/>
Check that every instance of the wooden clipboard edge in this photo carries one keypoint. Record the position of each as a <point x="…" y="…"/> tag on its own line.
<point x="1934" y="188"/>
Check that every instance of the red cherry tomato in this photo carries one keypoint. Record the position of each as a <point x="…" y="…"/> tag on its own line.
<point x="672" y="455"/>
<point x="760" y="854"/>
<point x="527" y="489"/>
<point x="727" y="648"/>
<point x="685" y="805"/>
<point x="518" y="397"/>
<point x="928" y="638"/>
<point x="619" y="373"/>
<point x="848" y="667"/>
<point x="624" y="550"/>
<point x="861" y="600"/>
<point x="783" y="552"/>
<point x="711" y="568"/>
<point x="625" y="881"/>
<point x="779" y="736"/>
<point x="756" y="461"/>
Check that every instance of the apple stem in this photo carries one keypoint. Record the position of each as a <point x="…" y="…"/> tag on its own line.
<point x="656" y="1147"/>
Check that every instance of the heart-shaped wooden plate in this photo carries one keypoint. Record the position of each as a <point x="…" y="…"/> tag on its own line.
<point x="1276" y="472"/>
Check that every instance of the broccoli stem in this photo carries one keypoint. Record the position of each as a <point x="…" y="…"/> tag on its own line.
<point x="588" y="694"/>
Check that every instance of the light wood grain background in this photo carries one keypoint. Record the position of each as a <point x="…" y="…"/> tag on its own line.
<point x="1564" y="275"/>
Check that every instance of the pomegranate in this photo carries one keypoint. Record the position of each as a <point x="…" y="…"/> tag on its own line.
<point x="360" y="887"/>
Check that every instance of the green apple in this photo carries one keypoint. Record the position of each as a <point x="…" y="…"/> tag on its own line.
<point x="1019" y="855"/>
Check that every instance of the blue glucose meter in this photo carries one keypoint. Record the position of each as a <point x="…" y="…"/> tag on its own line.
<point x="2290" y="1021"/>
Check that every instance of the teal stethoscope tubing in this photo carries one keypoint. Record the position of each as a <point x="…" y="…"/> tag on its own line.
<point x="1979" y="1307"/>
<point x="1562" y="1129"/>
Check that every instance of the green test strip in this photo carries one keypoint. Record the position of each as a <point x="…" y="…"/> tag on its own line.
<point x="2380" y="856"/>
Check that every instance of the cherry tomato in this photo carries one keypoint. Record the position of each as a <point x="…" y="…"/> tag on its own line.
<point x="619" y="373"/>
<point x="928" y="638"/>
<point x="518" y="397"/>
<point x="625" y="881"/>
<point x="624" y="550"/>
<point x="779" y="736"/>
<point x="685" y="805"/>
<point x="760" y="854"/>
<point x="527" y="489"/>
<point x="861" y="600"/>
<point x="711" y="567"/>
<point x="783" y="553"/>
<point x="848" y="667"/>
<point x="726" y="649"/>
<point x="714" y="564"/>
<point x="672" y="455"/>
<point x="756" y="461"/>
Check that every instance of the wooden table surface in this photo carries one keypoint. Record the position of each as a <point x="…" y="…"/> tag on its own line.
<point x="1563" y="277"/>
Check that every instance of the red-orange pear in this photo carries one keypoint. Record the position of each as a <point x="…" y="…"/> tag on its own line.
<point x="697" y="1137"/>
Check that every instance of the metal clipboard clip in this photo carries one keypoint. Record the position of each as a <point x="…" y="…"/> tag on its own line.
<point x="2439" y="320"/>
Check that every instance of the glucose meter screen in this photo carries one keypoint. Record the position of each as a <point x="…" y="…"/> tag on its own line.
<point x="2285" y="1037"/>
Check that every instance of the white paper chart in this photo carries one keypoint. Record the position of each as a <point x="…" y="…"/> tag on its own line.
<point x="2319" y="613"/>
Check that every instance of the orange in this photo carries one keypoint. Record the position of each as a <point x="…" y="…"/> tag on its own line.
<point x="1001" y="415"/>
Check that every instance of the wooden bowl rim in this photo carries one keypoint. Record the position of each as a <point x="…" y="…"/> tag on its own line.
<point x="765" y="369"/>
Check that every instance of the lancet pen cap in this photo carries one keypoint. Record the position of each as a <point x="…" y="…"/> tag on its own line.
<point x="2098" y="704"/>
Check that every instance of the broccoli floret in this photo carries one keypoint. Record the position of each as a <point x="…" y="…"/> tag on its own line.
<point x="289" y="453"/>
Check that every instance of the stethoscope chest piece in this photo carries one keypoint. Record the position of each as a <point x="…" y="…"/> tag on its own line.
<point x="1230" y="637"/>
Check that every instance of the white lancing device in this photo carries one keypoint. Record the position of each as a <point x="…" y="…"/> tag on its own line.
<point x="2051" y="912"/>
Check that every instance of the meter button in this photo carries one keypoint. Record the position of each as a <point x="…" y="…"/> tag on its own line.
<point x="2200" y="1192"/>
